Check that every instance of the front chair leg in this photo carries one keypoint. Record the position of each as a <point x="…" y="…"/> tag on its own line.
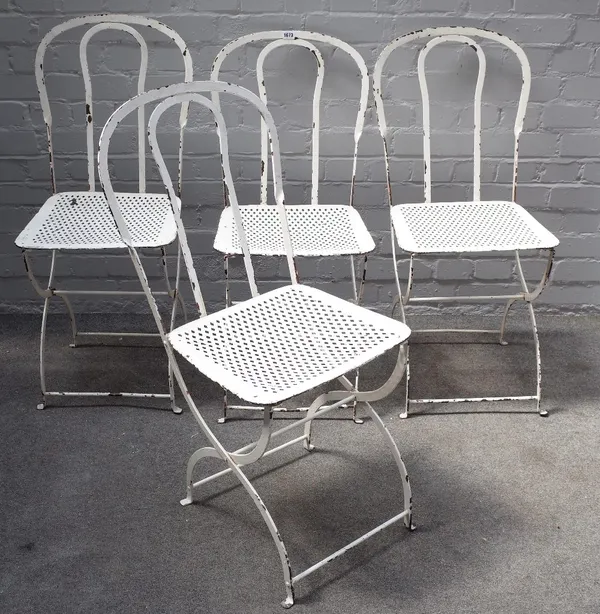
<point x="407" y="493"/>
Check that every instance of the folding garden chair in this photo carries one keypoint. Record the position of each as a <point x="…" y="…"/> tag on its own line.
<point x="452" y="229"/>
<point x="317" y="230"/>
<point x="270" y="347"/>
<point x="69" y="222"/>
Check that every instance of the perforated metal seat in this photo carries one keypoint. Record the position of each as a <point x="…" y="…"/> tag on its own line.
<point x="82" y="220"/>
<point x="285" y="342"/>
<point x="316" y="230"/>
<point x="483" y="226"/>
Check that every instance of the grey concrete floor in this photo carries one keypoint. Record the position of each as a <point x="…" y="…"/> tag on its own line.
<point x="506" y="503"/>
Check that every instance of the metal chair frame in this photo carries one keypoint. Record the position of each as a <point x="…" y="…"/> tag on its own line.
<point x="303" y="39"/>
<point x="235" y="461"/>
<point x="99" y="23"/>
<point x="464" y="35"/>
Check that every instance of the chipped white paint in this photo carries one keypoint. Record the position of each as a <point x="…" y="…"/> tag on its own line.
<point x="434" y="42"/>
<point x="455" y="34"/>
<point x="296" y="37"/>
<point x="316" y="113"/>
<point x="307" y="297"/>
<point x="114" y="20"/>
<point x="89" y="108"/>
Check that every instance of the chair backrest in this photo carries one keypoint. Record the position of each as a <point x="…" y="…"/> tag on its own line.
<point x="300" y="39"/>
<point x="461" y="35"/>
<point x="99" y="23"/>
<point x="165" y="98"/>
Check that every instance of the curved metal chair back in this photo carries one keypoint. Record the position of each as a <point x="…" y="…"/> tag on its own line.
<point x="300" y="39"/>
<point x="100" y="23"/>
<point x="166" y="97"/>
<point x="461" y="35"/>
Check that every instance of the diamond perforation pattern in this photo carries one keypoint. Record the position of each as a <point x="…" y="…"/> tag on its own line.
<point x="82" y="220"/>
<point x="468" y="226"/>
<point x="285" y="342"/>
<point x="316" y="230"/>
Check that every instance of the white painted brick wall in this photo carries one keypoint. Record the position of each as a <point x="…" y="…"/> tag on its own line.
<point x="559" y="173"/>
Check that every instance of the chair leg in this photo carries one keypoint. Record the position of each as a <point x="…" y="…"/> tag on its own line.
<point x="509" y="304"/>
<point x="358" y="295"/>
<point x="46" y="293"/>
<point x="72" y="319"/>
<point x="195" y="458"/>
<point x="404" y="414"/>
<point x="42" y="405"/>
<point x="529" y="298"/>
<point x="399" y="462"/>
<point x="223" y="417"/>
<point x="243" y="457"/>
<point x="175" y="297"/>
<point x="288" y="602"/>
<point x="538" y="362"/>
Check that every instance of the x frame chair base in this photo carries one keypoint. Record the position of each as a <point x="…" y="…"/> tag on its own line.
<point x="251" y="453"/>
<point x="48" y="292"/>
<point x="526" y="296"/>
<point x="358" y="291"/>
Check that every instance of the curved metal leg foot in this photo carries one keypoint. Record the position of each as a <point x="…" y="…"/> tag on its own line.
<point x="192" y="462"/>
<point x="288" y="602"/>
<point x="315" y="406"/>
<point x="223" y="418"/>
<point x="41" y="405"/>
<point x="355" y="417"/>
<point x="509" y="304"/>
<point x="69" y="307"/>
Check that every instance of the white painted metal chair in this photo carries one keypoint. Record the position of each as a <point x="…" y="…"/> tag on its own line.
<point x="273" y="346"/>
<point x="449" y="229"/>
<point x="69" y="222"/>
<point x="316" y="229"/>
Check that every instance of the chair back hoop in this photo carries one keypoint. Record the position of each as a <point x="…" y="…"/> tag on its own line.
<point x="98" y="24"/>
<point x="166" y="97"/>
<point x="282" y="38"/>
<point x="462" y="35"/>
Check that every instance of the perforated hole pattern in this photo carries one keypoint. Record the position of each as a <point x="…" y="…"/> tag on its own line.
<point x="84" y="218"/>
<point x="315" y="230"/>
<point x="288" y="340"/>
<point x="460" y="226"/>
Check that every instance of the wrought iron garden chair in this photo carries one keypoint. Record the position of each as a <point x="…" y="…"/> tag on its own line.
<point x="273" y="346"/>
<point x="69" y="222"/>
<point x="449" y="229"/>
<point x="316" y="229"/>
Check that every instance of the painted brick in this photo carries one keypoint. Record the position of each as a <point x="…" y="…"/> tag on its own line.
<point x="560" y="149"/>
<point x="557" y="7"/>
<point x="568" y="116"/>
